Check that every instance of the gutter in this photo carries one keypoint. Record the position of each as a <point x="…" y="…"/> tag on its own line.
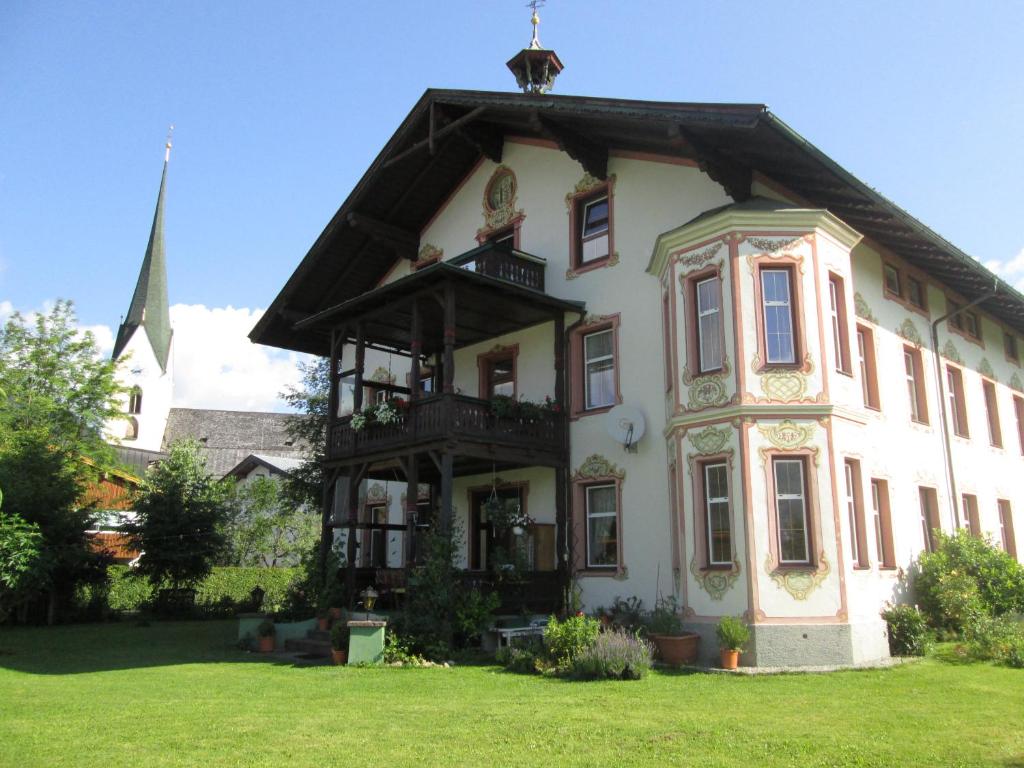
<point x="943" y="421"/>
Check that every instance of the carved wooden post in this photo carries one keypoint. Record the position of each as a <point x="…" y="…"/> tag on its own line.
<point x="449" y="339"/>
<point x="350" y="549"/>
<point x="415" y="350"/>
<point x="562" y="471"/>
<point x="447" y="471"/>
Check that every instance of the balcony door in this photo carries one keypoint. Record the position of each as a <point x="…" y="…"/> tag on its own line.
<point x="483" y="540"/>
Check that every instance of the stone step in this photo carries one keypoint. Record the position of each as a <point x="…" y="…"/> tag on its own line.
<point x="319" y="634"/>
<point x="309" y="646"/>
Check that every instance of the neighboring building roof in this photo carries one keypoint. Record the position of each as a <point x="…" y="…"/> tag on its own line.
<point x="281" y="465"/>
<point x="149" y="307"/>
<point x="137" y="459"/>
<point x="448" y="131"/>
<point x="228" y="437"/>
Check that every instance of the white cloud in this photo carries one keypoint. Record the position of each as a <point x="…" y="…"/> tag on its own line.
<point x="216" y="366"/>
<point x="1012" y="270"/>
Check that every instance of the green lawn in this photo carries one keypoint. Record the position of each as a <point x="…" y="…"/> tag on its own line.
<point x="180" y="694"/>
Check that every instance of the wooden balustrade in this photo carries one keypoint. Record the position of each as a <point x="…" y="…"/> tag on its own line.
<point x="503" y="264"/>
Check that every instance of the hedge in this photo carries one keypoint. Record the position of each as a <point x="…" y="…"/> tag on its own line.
<point x="223" y="588"/>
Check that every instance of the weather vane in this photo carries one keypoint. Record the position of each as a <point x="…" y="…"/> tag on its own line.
<point x="535" y="20"/>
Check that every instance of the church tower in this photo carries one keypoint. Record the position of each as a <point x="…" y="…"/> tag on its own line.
<point x="144" y="344"/>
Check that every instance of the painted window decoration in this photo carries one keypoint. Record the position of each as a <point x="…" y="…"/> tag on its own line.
<point x="595" y="225"/>
<point x="776" y="298"/>
<point x="1006" y="535"/>
<point x="599" y="369"/>
<point x="912" y="366"/>
<point x="709" y="323"/>
<point x="135" y="401"/>
<point x="884" y="548"/>
<point x="840" y="329"/>
<point x="995" y="432"/>
<point x="791" y="511"/>
<point x="957" y="401"/>
<point x="602" y="526"/>
<point x="929" y="516"/>
<point x="716" y="506"/>
<point x="867" y="366"/>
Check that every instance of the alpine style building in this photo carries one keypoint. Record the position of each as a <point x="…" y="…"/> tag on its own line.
<point x="825" y="381"/>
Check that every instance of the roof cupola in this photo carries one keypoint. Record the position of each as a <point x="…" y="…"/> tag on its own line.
<point x="535" y="67"/>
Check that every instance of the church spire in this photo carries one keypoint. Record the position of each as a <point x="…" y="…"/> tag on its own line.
<point x="149" y="308"/>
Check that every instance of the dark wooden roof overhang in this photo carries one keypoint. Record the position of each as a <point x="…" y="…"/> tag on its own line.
<point x="485" y="307"/>
<point x="447" y="132"/>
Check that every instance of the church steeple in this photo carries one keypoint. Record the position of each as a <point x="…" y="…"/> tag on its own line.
<point x="149" y="308"/>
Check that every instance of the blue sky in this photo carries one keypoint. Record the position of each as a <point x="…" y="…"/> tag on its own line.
<point x="279" y="108"/>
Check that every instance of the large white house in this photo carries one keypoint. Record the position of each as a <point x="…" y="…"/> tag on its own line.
<point x="813" y="410"/>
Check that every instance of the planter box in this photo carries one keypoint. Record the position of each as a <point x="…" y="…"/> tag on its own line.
<point x="291" y="630"/>
<point x="677" y="650"/>
<point x="366" y="642"/>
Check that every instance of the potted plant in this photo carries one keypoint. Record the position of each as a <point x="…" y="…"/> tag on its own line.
<point x="265" y="633"/>
<point x="675" y="646"/>
<point x="323" y="619"/>
<point x="733" y="634"/>
<point x="339" y="644"/>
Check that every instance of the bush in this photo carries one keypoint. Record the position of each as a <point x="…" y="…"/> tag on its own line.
<point x="340" y="635"/>
<point x="664" y="619"/>
<point x="908" y="632"/>
<point x="615" y="654"/>
<point x="997" y="577"/>
<point x="627" y="614"/>
<point x="999" y="639"/>
<point x="526" y="655"/>
<point x="732" y="634"/>
<point x="565" y="640"/>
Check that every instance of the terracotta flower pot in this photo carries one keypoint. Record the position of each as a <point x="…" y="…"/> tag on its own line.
<point x="677" y="650"/>
<point x="730" y="659"/>
<point x="339" y="658"/>
<point x="323" y="623"/>
<point x="267" y="644"/>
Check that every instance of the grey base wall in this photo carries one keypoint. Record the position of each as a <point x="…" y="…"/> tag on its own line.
<point x="797" y="645"/>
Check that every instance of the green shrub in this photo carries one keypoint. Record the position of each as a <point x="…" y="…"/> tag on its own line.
<point x="565" y="640"/>
<point x="999" y="639"/>
<point x="998" y="578"/>
<point x="627" y="613"/>
<point x="665" y="619"/>
<point x="615" y="654"/>
<point x="732" y="634"/>
<point x="526" y="655"/>
<point x="959" y="602"/>
<point x="908" y="631"/>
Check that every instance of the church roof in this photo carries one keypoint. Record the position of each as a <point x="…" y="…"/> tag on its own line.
<point x="228" y="437"/>
<point x="448" y="131"/>
<point x="149" y="307"/>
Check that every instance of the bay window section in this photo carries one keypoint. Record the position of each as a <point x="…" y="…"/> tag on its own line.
<point x="602" y="526"/>
<point x="868" y="368"/>
<point x="777" y="309"/>
<point x="840" y="329"/>
<point x="791" y="512"/>
<point x="717" y="517"/>
<point x="709" y="323"/>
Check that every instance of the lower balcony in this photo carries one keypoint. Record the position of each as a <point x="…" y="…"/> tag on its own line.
<point x="536" y="434"/>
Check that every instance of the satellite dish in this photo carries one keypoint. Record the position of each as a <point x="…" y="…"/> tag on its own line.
<point x="626" y="425"/>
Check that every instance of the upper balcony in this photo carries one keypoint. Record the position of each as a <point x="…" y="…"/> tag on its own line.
<point x="504" y="263"/>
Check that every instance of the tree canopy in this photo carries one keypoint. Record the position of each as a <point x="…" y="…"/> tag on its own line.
<point x="265" y="527"/>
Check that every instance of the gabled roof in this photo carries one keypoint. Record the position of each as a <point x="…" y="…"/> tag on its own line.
<point x="279" y="465"/>
<point x="447" y="131"/>
<point x="149" y="307"/>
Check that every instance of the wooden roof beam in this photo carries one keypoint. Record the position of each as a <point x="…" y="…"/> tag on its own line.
<point x="734" y="177"/>
<point x="592" y="155"/>
<point x="488" y="140"/>
<point x="404" y="242"/>
<point x="434" y="134"/>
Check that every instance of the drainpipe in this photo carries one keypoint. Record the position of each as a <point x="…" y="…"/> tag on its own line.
<point x="943" y="421"/>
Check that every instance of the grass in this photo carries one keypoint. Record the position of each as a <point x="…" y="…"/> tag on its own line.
<point x="179" y="694"/>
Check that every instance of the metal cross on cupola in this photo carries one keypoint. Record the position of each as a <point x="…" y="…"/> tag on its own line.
<point x="535" y="67"/>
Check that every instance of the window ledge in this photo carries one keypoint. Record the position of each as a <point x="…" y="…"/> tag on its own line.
<point x="589" y="266"/>
<point x="591" y="411"/>
<point x="862" y="567"/>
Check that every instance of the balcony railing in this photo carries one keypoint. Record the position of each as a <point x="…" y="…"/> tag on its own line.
<point x="445" y="417"/>
<point x="504" y="264"/>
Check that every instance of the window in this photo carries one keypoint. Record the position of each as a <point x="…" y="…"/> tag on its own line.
<point x="501" y="377"/>
<point x="965" y="323"/>
<point x="891" y="278"/>
<point x="915" y="384"/>
<point x="666" y="332"/>
<point x="135" y="401"/>
<point x="972" y="326"/>
<point x="791" y="511"/>
<point x="591" y="228"/>
<point x="131" y="431"/>
<point x="995" y="432"/>
<point x="378" y="555"/>
<point x="868" y="369"/>
<point x="929" y="516"/>
<point x="916" y="293"/>
<point x="956" y="320"/>
<point x="716" y="511"/>
<point x="707" y="300"/>
<point x="777" y="307"/>
<point x="957" y="402"/>
<point x="602" y="526"/>
<point x="885" y="551"/>
<point x="1006" y="536"/>
<point x="972" y="522"/>
<point x="593" y="355"/>
<point x="599" y="370"/>
<point x="1010" y="347"/>
<point x="1018" y="409"/>
<point x="855" y="512"/>
<point x="840" y="330"/>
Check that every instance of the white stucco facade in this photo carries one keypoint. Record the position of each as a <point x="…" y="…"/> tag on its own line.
<point x="145" y="415"/>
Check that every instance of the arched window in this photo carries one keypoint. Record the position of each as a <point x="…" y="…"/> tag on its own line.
<point x="135" y="401"/>
<point x="132" y="432"/>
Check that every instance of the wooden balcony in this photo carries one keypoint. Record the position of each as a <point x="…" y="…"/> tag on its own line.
<point x="448" y="419"/>
<point x="506" y="264"/>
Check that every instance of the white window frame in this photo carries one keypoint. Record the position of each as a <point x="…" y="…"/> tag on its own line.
<point x="713" y="312"/>
<point x="876" y="510"/>
<point x="788" y="304"/>
<point x="837" y="341"/>
<point x="596" y="233"/>
<point x="862" y="362"/>
<point x="708" y="501"/>
<point x="910" y="368"/>
<point x="588" y="516"/>
<point x="851" y="509"/>
<point x="802" y="496"/>
<point x="587" y="405"/>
